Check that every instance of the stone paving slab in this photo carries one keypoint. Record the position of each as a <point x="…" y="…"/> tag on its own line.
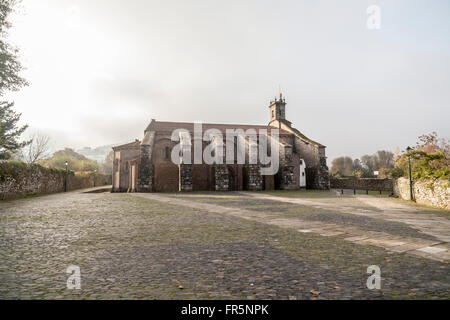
<point x="385" y="243"/>
<point x="432" y="250"/>
<point x="425" y="255"/>
<point x="406" y="247"/>
<point x="436" y="226"/>
<point x="357" y="238"/>
<point x="374" y="238"/>
<point x="331" y="233"/>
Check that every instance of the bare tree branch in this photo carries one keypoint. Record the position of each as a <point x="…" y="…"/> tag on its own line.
<point x="37" y="150"/>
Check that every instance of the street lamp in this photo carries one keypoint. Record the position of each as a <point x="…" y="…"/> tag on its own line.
<point x="95" y="176"/>
<point x="65" y="178"/>
<point x="410" y="177"/>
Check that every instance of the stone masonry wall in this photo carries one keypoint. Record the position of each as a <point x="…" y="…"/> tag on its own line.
<point x="434" y="193"/>
<point x="287" y="178"/>
<point x="221" y="177"/>
<point x="18" y="180"/>
<point x="362" y="184"/>
<point x="255" y="180"/>
<point x="322" y="178"/>
<point x="145" y="175"/>
<point x="185" y="177"/>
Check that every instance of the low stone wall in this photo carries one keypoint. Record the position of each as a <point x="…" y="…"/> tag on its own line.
<point x="19" y="179"/>
<point x="434" y="193"/>
<point x="362" y="184"/>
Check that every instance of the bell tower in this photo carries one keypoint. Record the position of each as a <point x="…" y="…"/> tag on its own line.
<point x="278" y="110"/>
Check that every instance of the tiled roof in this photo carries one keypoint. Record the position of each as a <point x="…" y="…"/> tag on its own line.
<point x="134" y="144"/>
<point x="162" y="126"/>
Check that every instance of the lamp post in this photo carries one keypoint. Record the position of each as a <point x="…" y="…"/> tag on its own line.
<point x="65" y="178"/>
<point x="95" y="176"/>
<point x="410" y="177"/>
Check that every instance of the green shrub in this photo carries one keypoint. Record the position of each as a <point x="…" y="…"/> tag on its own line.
<point x="424" y="165"/>
<point x="12" y="169"/>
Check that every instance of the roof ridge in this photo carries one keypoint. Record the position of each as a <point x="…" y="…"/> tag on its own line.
<point x="214" y="123"/>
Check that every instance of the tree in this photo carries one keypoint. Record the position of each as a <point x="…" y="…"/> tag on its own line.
<point x="364" y="168"/>
<point x="342" y="166"/>
<point x="37" y="149"/>
<point x="369" y="163"/>
<point x="381" y="159"/>
<point x="10" y="65"/>
<point x="108" y="163"/>
<point x="10" y="131"/>
<point x="431" y="143"/>
<point x="10" y="79"/>
<point x="384" y="173"/>
<point x="359" y="173"/>
<point x="430" y="159"/>
<point x="357" y="164"/>
<point x="385" y="159"/>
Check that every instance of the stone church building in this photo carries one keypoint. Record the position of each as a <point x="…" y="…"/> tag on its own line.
<point x="146" y="166"/>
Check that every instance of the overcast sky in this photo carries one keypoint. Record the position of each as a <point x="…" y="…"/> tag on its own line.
<point x="100" y="70"/>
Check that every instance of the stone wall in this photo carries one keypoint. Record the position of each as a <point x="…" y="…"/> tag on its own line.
<point x="221" y="177"/>
<point x="145" y="172"/>
<point x="370" y="184"/>
<point x="255" y="180"/>
<point x="434" y="193"/>
<point x="287" y="178"/>
<point x="185" y="171"/>
<point x="322" y="178"/>
<point x="18" y="180"/>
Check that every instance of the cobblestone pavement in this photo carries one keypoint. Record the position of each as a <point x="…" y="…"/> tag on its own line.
<point x="386" y="223"/>
<point x="386" y="209"/>
<point x="148" y="246"/>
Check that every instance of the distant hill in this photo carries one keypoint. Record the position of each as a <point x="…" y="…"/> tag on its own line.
<point x="98" y="154"/>
<point x="76" y="162"/>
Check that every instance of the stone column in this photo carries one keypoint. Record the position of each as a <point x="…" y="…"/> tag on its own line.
<point x="322" y="177"/>
<point x="145" y="175"/>
<point x="287" y="178"/>
<point x="255" y="180"/>
<point x="185" y="178"/>
<point x="221" y="177"/>
<point x="145" y="172"/>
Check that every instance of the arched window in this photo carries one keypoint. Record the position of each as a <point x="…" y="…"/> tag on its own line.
<point x="167" y="153"/>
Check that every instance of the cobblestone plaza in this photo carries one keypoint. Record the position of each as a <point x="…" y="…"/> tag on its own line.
<point x="279" y="245"/>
